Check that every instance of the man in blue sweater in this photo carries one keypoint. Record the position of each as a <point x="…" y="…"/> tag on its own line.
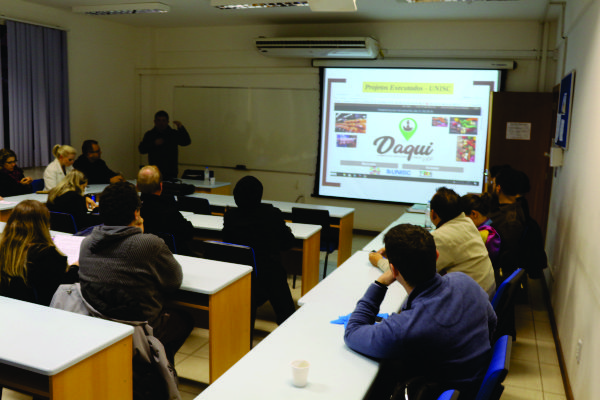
<point x="443" y="331"/>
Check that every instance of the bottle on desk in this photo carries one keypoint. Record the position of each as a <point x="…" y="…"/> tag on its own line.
<point x="206" y="175"/>
<point x="427" y="223"/>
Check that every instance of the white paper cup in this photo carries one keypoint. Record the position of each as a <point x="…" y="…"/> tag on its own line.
<point x="300" y="372"/>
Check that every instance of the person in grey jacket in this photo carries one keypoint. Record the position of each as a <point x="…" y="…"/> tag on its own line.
<point x="128" y="275"/>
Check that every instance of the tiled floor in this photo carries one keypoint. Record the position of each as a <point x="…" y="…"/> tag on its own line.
<point x="534" y="372"/>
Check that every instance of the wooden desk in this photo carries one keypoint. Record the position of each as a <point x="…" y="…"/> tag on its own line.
<point x="341" y="218"/>
<point x="308" y="234"/>
<point x="211" y="188"/>
<point x="62" y="355"/>
<point x="406" y="218"/>
<point x="222" y="289"/>
<point x="7" y="205"/>
<point x="336" y="372"/>
<point x="348" y="283"/>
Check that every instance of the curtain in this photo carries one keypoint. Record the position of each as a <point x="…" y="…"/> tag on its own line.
<point x="38" y="101"/>
<point x="2" y="83"/>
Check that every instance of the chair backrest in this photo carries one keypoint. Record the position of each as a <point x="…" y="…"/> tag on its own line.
<point x="449" y="395"/>
<point x="229" y="252"/>
<point x="317" y="217"/>
<point x="62" y="222"/>
<point x="196" y="174"/>
<point x="491" y="388"/>
<point x="37" y="185"/>
<point x="197" y="205"/>
<point x="169" y="240"/>
<point x="506" y="290"/>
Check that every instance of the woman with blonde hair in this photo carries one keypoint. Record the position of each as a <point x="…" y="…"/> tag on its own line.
<point x="58" y="169"/>
<point x="68" y="197"/>
<point x="31" y="267"/>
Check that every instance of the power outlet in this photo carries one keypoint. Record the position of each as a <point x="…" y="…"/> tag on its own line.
<point x="578" y="350"/>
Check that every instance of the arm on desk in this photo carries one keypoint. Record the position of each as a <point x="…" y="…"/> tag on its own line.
<point x="377" y="259"/>
<point x="362" y="334"/>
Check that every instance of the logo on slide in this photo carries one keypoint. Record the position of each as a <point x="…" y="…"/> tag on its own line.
<point x="408" y="127"/>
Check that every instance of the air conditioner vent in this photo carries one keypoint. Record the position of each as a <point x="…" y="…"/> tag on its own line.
<point x="318" y="47"/>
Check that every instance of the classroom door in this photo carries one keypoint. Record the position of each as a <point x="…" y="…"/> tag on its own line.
<point x="529" y="155"/>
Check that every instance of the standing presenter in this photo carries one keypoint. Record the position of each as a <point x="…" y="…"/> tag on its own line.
<point x="162" y="142"/>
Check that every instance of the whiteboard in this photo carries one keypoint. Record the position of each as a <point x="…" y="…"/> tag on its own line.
<point x="264" y="129"/>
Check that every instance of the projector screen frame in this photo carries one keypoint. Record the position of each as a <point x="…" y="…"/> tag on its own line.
<point x="352" y="64"/>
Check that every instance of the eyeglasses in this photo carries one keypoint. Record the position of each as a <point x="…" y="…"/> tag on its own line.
<point x="11" y="162"/>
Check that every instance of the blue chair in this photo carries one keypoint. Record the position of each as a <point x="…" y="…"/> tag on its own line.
<point x="449" y="395"/>
<point x="237" y="254"/>
<point x="169" y="240"/>
<point x="491" y="387"/>
<point x="229" y="252"/>
<point x="197" y="205"/>
<point x="37" y="185"/>
<point x="329" y="238"/>
<point x="504" y="304"/>
<point x="62" y="222"/>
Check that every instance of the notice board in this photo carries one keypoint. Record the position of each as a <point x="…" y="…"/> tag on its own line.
<point x="261" y="128"/>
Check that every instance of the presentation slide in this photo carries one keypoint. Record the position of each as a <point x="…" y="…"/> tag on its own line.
<point x="398" y="134"/>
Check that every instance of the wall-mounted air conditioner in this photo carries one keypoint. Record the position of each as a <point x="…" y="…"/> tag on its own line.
<point x="315" y="47"/>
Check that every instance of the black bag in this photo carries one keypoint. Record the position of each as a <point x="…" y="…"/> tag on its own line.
<point x="177" y="188"/>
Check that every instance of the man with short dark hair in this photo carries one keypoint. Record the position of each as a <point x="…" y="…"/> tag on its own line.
<point x="93" y="166"/>
<point x="508" y="219"/>
<point x="162" y="142"/>
<point x="160" y="211"/>
<point x="457" y="240"/>
<point x="128" y="275"/>
<point x="443" y="330"/>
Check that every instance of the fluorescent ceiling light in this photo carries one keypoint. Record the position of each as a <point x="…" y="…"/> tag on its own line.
<point x="240" y="4"/>
<point x="332" y="5"/>
<point x="450" y="1"/>
<point x="116" y="9"/>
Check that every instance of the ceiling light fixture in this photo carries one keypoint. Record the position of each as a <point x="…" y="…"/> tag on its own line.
<point x="332" y="5"/>
<point x="117" y="9"/>
<point x="448" y="1"/>
<point x="315" y="5"/>
<point x="240" y="5"/>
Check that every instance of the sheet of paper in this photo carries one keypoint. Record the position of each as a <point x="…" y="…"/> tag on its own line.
<point x="69" y="245"/>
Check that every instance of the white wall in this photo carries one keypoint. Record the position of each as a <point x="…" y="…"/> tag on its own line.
<point x="102" y="79"/>
<point x="225" y="56"/>
<point x="573" y="228"/>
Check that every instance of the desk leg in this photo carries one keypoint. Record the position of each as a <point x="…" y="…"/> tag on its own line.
<point x="226" y="190"/>
<point x="310" y="262"/>
<point x="345" y="244"/>
<point x="229" y="326"/>
<point x="105" y="375"/>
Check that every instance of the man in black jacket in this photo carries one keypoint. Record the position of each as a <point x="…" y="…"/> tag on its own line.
<point x="160" y="212"/>
<point x="262" y="227"/>
<point x="90" y="162"/>
<point x="162" y="144"/>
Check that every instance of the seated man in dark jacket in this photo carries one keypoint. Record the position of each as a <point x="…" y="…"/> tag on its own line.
<point x="93" y="166"/>
<point x="443" y="330"/>
<point x="160" y="212"/>
<point x="508" y="218"/>
<point x="262" y="227"/>
<point x="128" y="275"/>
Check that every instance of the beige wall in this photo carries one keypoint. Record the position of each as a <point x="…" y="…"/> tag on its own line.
<point x="573" y="229"/>
<point x="225" y="56"/>
<point x="120" y="76"/>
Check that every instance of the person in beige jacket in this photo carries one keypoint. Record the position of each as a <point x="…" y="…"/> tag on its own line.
<point x="457" y="240"/>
